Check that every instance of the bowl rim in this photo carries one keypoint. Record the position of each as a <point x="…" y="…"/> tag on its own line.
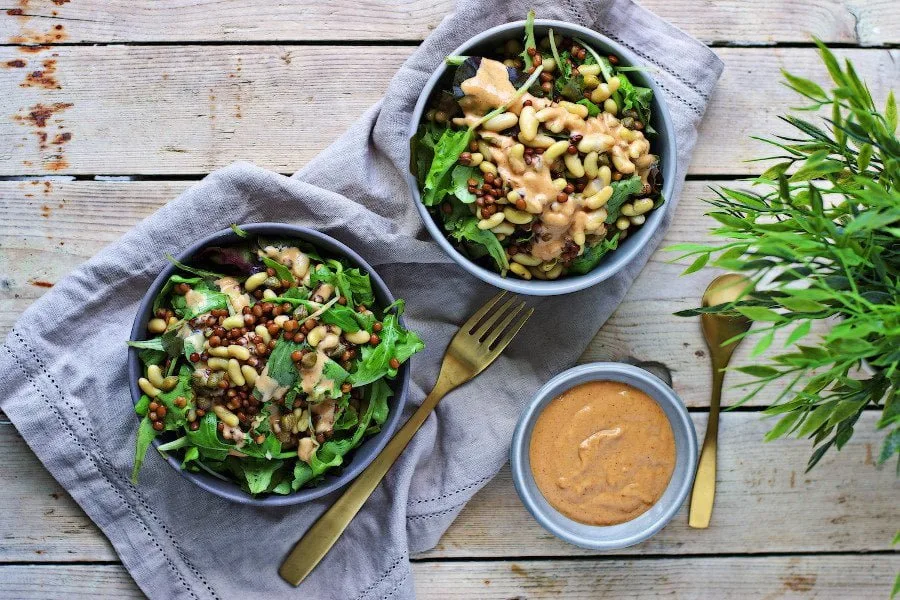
<point x="629" y="533"/>
<point x="376" y="443"/>
<point x="616" y="260"/>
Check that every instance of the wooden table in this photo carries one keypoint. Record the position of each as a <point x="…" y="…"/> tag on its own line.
<point x="130" y="102"/>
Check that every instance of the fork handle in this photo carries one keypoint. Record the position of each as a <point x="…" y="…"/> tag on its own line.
<point x="323" y="534"/>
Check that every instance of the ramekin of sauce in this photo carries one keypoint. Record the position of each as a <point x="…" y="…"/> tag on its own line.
<point x="604" y="455"/>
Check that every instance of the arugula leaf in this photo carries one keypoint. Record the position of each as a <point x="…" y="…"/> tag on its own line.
<point x="281" y="271"/>
<point x="593" y="255"/>
<point x="145" y="436"/>
<point x="468" y="231"/>
<point x="151" y="344"/>
<point x="238" y="231"/>
<point x="256" y="472"/>
<point x="396" y="342"/>
<point x="206" y="438"/>
<point x="347" y="419"/>
<point x="167" y="288"/>
<point x="281" y="367"/>
<point x="622" y="190"/>
<point x="343" y="317"/>
<point x="451" y="144"/>
<point x="353" y="284"/>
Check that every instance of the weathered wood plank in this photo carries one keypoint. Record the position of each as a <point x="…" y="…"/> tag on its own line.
<point x="845" y="21"/>
<point x="821" y="577"/>
<point x="279" y="106"/>
<point x="52" y="227"/>
<point x="765" y="503"/>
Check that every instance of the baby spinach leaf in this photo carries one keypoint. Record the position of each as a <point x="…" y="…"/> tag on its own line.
<point x="460" y="177"/>
<point x="636" y="98"/>
<point x="145" y="436"/>
<point x="281" y="367"/>
<point x="451" y="144"/>
<point x="468" y="231"/>
<point x="593" y="109"/>
<point x="622" y="190"/>
<point x="281" y="271"/>
<point x="202" y="300"/>
<point x="593" y="255"/>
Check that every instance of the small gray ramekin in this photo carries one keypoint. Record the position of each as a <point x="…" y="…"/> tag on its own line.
<point x="631" y="532"/>
<point x="663" y="144"/>
<point x="360" y="458"/>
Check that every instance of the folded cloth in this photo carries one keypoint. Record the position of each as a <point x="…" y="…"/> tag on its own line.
<point x="62" y="368"/>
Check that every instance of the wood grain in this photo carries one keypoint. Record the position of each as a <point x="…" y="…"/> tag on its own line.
<point x="822" y="577"/>
<point x="192" y="109"/>
<point x="765" y="503"/>
<point x="53" y="226"/>
<point x="734" y="21"/>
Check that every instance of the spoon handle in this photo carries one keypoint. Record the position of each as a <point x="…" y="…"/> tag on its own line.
<point x="704" y="491"/>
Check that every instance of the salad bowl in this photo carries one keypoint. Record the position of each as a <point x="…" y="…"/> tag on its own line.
<point x="663" y="145"/>
<point x="369" y="448"/>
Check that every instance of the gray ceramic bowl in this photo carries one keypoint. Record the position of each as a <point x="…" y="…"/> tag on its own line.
<point x="663" y="145"/>
<point x="355" y="462"/>
<point x="634" y="531"/>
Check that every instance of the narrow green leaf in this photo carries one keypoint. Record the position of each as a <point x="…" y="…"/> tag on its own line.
<point x="890" y="112"/>
<point x="783" y="425"/>
<point x="805" y="87"/>
<point x="801" y="331"/>
<point x="698" y="264"/>
<point x="816" y="419"/>
<point x="758" y="370"/>
<point x="801" y="304"/>
<point x="763" y="344"/>
<point x="759" y="313"/>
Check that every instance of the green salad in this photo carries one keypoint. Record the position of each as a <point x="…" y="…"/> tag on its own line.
<point x="266" y="363"/>
<point x="537" y="157"/>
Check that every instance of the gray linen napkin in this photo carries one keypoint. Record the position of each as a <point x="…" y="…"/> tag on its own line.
<point x="62" y="368"/>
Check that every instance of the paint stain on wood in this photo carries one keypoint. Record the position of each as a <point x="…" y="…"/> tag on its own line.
<point x="799" y="583"/>
<point x="40" y="283"/>
<point x="43" y="78"/>
<point x="45" y="211"/>
<point x="869" y="460"/>
<point x="699" y="353"/>
<point x="39" y="114"/>
<point x="60" y="2"/>
<point x="15" y="12"/>
<point x="17" y="63"/>
<point x="30" y="37"/>
<point x="793" y="479"/>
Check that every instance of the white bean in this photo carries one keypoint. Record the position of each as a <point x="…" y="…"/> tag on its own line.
<point x="589" y="69"/>
<point x="255" y="280"/>
<point x="528" y="124"/>
<point x="262" y="332"/>
<point x="217" y="364"/>
<point x="315" y="336"/>
<point x="148" y="388"/>
<point x="267" y="294"/>
<point x="516" y="216"/>
<point x="622" y="223"/>
<point x="614" y="84"/>
<point x="519" y="270"/>
<point x="503" y="229"/>
<point x="576" y="109"/>
<point x="492" y="221"/>
<point x="358" y="337"/>
<point x="560" y="183"/>
<point x="596" y="142"/>
<point x="573" y="164"/>
<point x="501" y="122"/>
<point x="156" y="326"/>
<point x="226" y="416"/>
<point x="601" y="93"/>
<point x="590" y="164"/>
<point x="238" y="352"/>
<point x="234" y="372"/>
<point x="599" y="199"/>
<point x="517" y="158"/>
<point x="610" y="106"/>
<point x="220" y="351"/>
<point x="628" y="209"/>
<point x="642" y="206"/>
<point x="526" y="259"/>
<point x="249" y="374"/>
<point x="541" y="140"/>
<point x="604" y="173"/>
<point x="155" y="376"/>
<point x="555" y="151"/>
<point x="476" y="160"/>
<point x="638" y="220"/>
<point x="488" y="167"/>
<point x="233" y="322"/>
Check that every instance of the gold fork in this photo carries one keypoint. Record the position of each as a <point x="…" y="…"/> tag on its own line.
<point x="476" y="345"/>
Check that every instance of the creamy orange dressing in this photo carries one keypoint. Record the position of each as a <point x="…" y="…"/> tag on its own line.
<point x="489" y="89"/>
<point x="231" y="287"/>
<point x="291" y="257"/>
<point x="312" y="382"/>
<point x="193" y="299"/>
<point x="602" y="453"/>
<point x="268" y="387"/>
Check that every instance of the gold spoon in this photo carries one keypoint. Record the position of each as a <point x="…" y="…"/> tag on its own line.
<point x="716" y="330"/>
